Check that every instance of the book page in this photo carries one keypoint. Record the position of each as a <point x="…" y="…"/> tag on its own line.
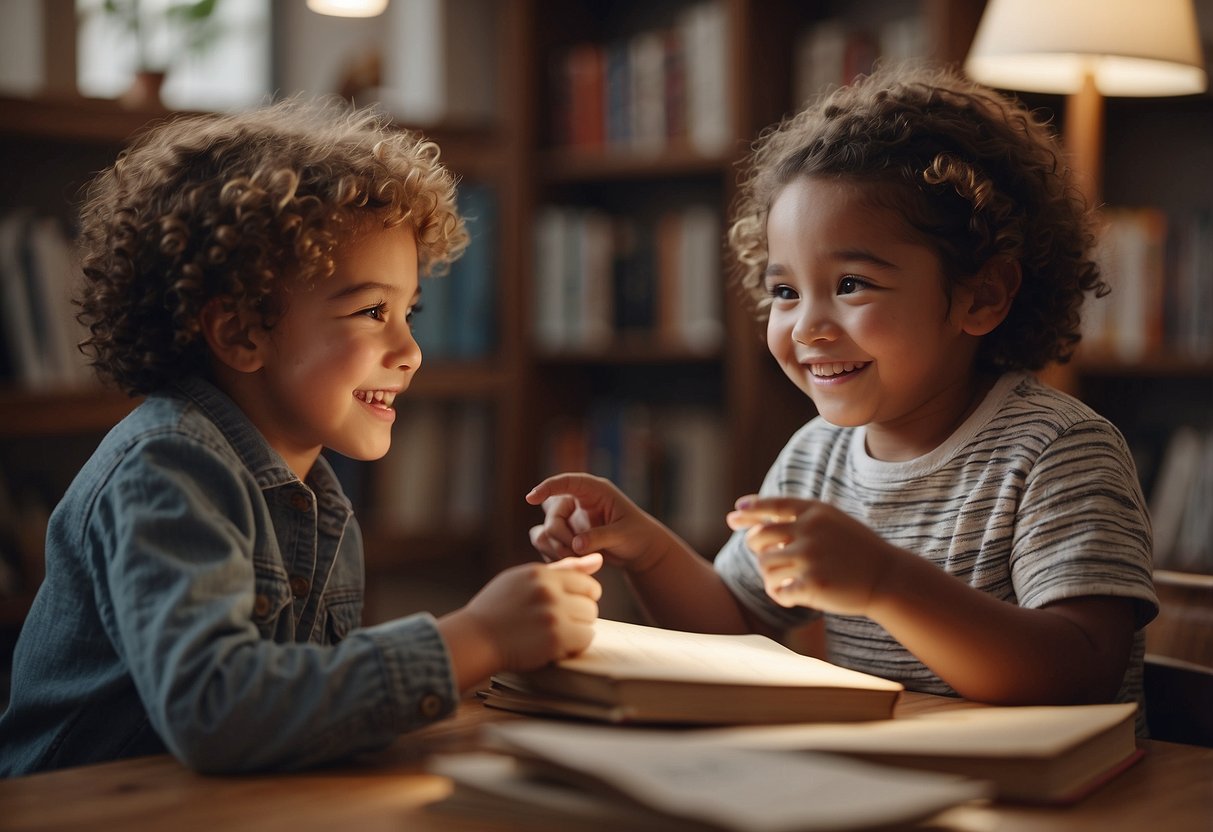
<point x="633" y="651"/>
<point x="994" y="732"/>
<point x="737" y="789"/>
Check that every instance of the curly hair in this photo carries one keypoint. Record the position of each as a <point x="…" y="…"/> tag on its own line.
<point x="247" y="207"/>
<point x="974" y="173"/>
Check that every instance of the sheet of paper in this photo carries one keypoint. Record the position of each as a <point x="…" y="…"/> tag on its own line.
<point x="1028" y="731"/>
<point x="635" y="651"/>
<point x="740" y="789"/>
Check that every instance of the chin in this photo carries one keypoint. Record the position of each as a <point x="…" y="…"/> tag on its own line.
<point x="363" y="453"/>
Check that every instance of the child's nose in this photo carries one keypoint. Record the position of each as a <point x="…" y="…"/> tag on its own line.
<point x="814" y="324"/>
<point x="407" y="352"/>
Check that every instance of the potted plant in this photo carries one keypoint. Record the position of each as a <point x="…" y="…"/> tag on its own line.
<point x="160" y="32"/>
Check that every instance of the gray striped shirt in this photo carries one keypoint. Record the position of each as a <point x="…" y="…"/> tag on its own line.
<point x="1033" y="499"/>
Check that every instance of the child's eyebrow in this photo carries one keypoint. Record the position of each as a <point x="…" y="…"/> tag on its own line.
<point x="364" y="288"/>
<point x="848" y="255"/>
<point x="863" y="256"/>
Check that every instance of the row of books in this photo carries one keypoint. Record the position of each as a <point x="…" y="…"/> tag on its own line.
<point x="835" y="51"/>
<point x="668" y="459"/>
<point x="458" y="315"/>
<point x="438" y="475"/>
<point x="656" y="88"/>
<point x="600" y="277"/>
<point x="1160" y="270"/>
<point x="1179" y="503"/>
<point x="39" y="335"/>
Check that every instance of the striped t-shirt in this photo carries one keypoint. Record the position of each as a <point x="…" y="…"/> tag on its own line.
<point x="1032" y="500"/>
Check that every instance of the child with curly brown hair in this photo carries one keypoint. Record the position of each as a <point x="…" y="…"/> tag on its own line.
<point x="917" y="248"/>
<point x="253" y="277"/>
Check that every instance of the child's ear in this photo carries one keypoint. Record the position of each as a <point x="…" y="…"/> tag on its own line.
<point x="231" y="334"/>
<point x="989" y="295"/>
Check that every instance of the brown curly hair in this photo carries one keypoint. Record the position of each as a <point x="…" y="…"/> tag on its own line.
<point x="243" y="206"/>
<point x="974" y="172"/>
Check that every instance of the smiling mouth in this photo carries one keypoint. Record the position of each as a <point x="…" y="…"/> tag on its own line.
<point x="836" y="368"/>
<point x="376" y="398"/>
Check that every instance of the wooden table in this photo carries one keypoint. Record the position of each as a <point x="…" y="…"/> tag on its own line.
<point x="1170" y="790"/>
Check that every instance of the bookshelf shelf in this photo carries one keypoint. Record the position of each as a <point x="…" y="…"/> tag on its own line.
<point x="638" y="352"/>
<point x="75" y="119"/>
<point x="447" y="379"/>
<point x="1162" y="364"/>
<point x="27" y="414"/>
<point x="576" y="166"/>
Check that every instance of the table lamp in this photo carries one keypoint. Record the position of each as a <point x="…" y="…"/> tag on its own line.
<point x="348" y="8"/>
<point x="1086" y="50"/>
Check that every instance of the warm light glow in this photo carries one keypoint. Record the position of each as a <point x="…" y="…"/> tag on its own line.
<point x="1130" y="47"/>
<point x="348" y="8"/>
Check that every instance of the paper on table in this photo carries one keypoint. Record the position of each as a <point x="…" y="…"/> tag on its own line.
<point x="1025" y="731"/>
<point x="738" y="789"/>
<point x="632" y="651"/>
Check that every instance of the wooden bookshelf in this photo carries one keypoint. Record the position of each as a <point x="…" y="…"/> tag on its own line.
<point x="52" y="146"/>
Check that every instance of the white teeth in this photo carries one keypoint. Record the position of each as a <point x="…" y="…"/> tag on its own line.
<point x="384" y="397"/>
<point x="835" y="368"/>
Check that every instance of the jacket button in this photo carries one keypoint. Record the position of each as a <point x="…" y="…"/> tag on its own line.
<point x="430" y="705"/>
<point x="261" y="606"/>
<point x="300" y="586"/>
<point x="301" y="502"/>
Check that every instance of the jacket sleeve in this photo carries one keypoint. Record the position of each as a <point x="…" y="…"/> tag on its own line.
<point x="170" y="536"/>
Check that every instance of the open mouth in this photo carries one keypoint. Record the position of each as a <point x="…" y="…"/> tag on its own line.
<point x="835" y="369"/>
<point x="376" y="398"/>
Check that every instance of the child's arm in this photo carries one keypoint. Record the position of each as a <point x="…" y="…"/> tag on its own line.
<point x="523" y="618"/>
<point x="678" y="588"/>
<point x="811" y="554"/>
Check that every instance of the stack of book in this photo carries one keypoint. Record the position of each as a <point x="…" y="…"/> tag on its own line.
<point x="637" y="674"/>
<point x="845" y="766"/>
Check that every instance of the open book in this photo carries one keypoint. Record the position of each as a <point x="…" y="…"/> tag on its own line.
<point x="634" y="673"/>
<point x="594" y="777"/>
<point x="1040" y="754"/>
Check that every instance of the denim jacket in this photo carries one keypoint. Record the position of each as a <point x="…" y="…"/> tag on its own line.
<point x="200" y="599"/>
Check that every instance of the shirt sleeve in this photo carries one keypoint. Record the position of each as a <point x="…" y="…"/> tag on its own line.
<point x="171" y="536"/>
<point x="1082" y="527"/>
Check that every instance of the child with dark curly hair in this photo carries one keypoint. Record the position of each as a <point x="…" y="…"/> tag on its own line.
<point x="253" y="276"/>
<point x="917" y="248"/>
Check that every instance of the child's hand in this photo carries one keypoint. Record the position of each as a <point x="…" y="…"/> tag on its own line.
<point x="584" y="513"/>
<point x="535" y="613"/>
<point x="813" y="555"/>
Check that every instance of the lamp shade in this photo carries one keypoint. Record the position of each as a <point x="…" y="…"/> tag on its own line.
<point x="348" y="8"/>
<point x="1129" y="47"/>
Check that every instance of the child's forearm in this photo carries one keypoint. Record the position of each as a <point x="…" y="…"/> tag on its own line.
<point x="993" y="651"/>
<point x="473" y="655"/>
<point x="680" y="590"/>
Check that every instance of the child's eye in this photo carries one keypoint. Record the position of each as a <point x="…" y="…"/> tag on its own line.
<point x="782" y="291"/>
<point x="378" y="312"/>
<point x="414" y="310"/>
<point x="851" y="284"/>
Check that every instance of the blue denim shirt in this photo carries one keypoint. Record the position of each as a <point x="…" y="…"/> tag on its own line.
<point x="199" y="598"/>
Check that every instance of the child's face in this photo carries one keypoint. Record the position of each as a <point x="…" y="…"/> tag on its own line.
<point x="341" y="353"/>
<point x="860" y="320"/>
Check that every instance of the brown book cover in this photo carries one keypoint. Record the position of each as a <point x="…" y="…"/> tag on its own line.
<point x="637" y="674"/>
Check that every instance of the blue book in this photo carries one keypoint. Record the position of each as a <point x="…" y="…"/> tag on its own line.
<point x="471" y="311"/>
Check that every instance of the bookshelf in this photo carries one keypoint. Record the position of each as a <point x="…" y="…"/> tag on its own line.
<point x="534" y="392"/>
<point x="623" y="174"/>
